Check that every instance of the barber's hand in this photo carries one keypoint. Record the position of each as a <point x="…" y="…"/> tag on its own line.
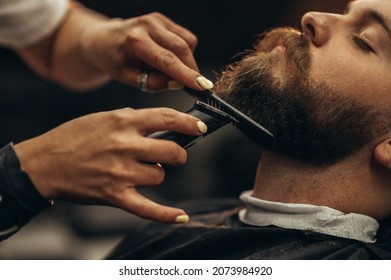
<point x="126" y="48"/>
<point x="102" y="157"/>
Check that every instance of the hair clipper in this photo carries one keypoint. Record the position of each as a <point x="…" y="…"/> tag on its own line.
<point x="212" y="117"/>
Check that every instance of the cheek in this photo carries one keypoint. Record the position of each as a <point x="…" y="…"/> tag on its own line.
<point x="347" y="74"/>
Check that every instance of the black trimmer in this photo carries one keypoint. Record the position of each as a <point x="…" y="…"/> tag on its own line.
<point x="216" y="113"/>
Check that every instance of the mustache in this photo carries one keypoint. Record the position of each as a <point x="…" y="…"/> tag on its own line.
<point x="297" y="46"/>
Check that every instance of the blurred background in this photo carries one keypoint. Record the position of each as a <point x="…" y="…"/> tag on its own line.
<point x="222" y="165"/>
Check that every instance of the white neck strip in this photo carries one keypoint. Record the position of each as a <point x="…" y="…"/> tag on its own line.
<point x="309" y="217"/>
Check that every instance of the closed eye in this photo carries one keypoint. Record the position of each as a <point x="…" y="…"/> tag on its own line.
<point x="362" y="44"/>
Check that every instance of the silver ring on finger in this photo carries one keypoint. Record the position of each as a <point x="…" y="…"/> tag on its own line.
<point x="142" y="80"/>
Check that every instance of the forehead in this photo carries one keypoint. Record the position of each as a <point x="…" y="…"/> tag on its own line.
<point x="382" y="5"/>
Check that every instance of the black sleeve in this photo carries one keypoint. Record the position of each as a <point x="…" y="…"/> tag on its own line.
<point x="19" y="199"/>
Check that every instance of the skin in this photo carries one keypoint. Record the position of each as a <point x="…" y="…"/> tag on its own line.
<point x="362" y="182"/>
<point x="347" y="64"/>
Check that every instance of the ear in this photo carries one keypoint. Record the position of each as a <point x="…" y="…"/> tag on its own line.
<point x="382" y="153"/>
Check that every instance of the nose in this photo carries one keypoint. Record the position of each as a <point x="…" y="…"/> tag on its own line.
<point x="317" y="27"/>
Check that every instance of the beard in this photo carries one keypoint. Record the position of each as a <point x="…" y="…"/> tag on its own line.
<point x="310" y="122"/>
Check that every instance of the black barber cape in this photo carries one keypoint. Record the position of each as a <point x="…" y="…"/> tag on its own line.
<point x="215" y="232"/>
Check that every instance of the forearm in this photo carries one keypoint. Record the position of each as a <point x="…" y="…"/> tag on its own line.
<point x="59" y="57"/>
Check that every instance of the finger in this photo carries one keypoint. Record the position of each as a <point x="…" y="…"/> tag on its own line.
<point x="181" y="31"/>
<point x="155" y="150"/>
<point x="144" y="174"/>
<point x="160" y="119"/>
<point x="165" y="61"/>
<point x="132" y="201"/>
<point x="177" y="45"/>
<point x="156" y="81"/>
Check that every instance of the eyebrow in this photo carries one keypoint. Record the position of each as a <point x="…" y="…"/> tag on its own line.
<point x="375" y="16"/>
<point x="381" y="20"/>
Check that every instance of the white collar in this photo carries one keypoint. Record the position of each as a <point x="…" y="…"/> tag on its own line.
<point x="315" y="218"/>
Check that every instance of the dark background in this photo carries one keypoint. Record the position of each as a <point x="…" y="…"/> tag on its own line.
<point x="221" y="165"/>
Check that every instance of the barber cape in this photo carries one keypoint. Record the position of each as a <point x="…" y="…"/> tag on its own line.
<point x="215" y="231"/>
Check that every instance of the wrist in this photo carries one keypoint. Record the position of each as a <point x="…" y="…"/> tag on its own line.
<point x="70" y="66"/>
<point x="98" y="43"/>
<point x="32" y="162"/>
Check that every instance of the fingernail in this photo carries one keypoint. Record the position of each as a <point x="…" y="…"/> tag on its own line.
<point x="174" y="85"/>
<point x="202" y="127"/>
<point x="182" y="219"/>
<point x="204" y="82"/>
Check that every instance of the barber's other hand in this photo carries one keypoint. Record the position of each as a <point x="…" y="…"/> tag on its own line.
<point x="101" y="158"/>
<point x="125" y="48"/>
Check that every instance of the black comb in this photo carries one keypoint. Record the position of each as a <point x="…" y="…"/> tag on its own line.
<point x="215" y="113"/>
<point x="248" y="126"/>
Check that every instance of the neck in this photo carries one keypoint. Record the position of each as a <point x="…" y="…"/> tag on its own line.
<point x="356" y="185"/>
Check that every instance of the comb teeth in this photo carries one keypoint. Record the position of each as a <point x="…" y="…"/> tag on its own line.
<point x="213" y="103"/>
<point x="241" y="121"/>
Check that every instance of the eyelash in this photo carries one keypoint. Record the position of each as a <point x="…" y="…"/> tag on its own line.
<point x="362" y="44"/>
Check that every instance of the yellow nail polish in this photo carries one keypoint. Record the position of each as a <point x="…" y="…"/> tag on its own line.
<point x="204" y="83"/>
<point x="174" y="85"/>
<point x="202" y="127"/>
<point x="182" y="219"/>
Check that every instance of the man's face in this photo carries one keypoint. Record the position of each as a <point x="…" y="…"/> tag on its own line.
<point x="325" y="92"/>
<point x="351" y="53"/>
